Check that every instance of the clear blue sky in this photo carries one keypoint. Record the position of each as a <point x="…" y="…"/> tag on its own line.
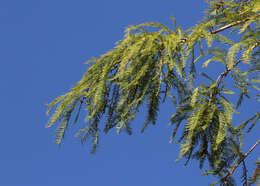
<point x="43" y="47"/>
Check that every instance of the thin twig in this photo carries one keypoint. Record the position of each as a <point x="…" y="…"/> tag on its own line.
<point x="220" y="77"/>
<point x="225" y="73"/>
<point x="241" y="160"/>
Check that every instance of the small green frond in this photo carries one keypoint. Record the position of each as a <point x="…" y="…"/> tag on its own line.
<point x="206" y="63"/>
<point x="206" y="76"/>
<point x="231" y="54"/>
<point x="194" y="97"/>
<point x="150" y="24"/>
<point x="60" y="131"/>
<point x="192" y="70"/>
<point x="222" y="39"/>
<point x="54" y="102"/>
<point x="226" y="91"/>
<point x="62" y="109"/>
<point x="174" y="21"/>
<point x="244" y="124"/>
<point x="256" y="174"/>
<point x="153" y="106"/>
<point x="254" y="122"/>
<point x="240" y="99"/>
<point x="228" y="110"/>
<point x="176" y="129"/>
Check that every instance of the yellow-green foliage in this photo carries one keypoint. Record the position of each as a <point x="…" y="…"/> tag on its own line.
<point x="154" y="62"/>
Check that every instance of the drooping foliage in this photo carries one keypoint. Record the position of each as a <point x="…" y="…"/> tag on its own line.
<point x="154" y="63"/>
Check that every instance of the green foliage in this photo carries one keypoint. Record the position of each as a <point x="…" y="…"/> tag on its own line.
<point x="153" y="62"/>
<point x="256" y="174"/>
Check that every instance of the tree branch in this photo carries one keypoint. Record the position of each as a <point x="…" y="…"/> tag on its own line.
<point x="228" y="26"/>
<point x="231" y="25"/>
<point x="225" y="73"/>
<point x="241" y="160"/>
<point x="183" y="40"/>
<point x="221" y="76"/>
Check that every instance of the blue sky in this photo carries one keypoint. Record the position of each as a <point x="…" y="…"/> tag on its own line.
<point x="43" y="47"/>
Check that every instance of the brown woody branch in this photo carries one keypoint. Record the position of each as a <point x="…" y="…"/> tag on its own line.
<point x="225" y="73"/>
<point x="241" y="160"/>
<point x="183" y="40"/>
<point x="228" y="26"/>
<point x="221" y="76"/>
<point x="231" y="25"/>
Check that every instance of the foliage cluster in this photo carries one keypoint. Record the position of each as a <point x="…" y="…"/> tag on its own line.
<point x="153" y="62"/>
